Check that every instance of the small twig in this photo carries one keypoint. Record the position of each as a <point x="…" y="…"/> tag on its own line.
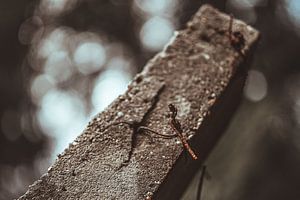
<point x="173" y="122"/>
<point x="135" y="125"/>
<point x="176" y="126"/>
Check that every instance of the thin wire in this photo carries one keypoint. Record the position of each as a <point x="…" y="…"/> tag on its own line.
<point x="167" y="136"/>
<point x="200" y="185"/>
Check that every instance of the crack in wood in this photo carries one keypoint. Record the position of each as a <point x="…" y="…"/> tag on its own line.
<point x="137" y="126"/>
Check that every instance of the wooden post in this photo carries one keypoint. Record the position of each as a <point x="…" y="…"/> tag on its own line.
<point x="202" y="72"/>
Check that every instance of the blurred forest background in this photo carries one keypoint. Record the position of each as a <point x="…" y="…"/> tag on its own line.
<point x="63" y="61"/>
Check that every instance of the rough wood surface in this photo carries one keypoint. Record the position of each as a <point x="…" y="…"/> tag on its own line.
<point x="202" y="74"/>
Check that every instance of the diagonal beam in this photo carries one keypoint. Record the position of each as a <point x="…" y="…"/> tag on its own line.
<point x="202" y="72"/>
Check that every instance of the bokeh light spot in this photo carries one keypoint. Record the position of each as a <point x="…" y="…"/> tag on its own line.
<point x="153" y="6"/>
<point x="59" y="66"/>
<point x="52" y="43"/>
<point x="156" y="32"/>
<point x="247" y="3"/>
<point x="56" y="7"/>
<point x="293" y="8"/>
<point x="256" y="86"/>
<point x="31" y="30"/>
<point x="40" y="86"/>
<point x="244" y="9"/>
<point x="61" y="116"/>
<point x="108" y="86"/>
<point x="89" y="57"/>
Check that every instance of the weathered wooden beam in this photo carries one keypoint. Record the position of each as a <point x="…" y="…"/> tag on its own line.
<point x="202" y="72"/>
